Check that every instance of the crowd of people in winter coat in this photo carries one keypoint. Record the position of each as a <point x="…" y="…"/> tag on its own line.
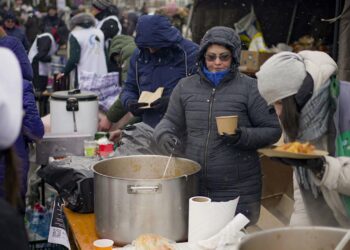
<point x="292" y="95"/>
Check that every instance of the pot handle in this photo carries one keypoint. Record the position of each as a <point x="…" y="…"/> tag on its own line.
<point x="137" y="189"/>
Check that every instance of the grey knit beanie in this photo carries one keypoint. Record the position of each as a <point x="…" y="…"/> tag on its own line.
<point x="82" y="19"/>
<point x="101" y="4"/>
<point x="281" y="76"/>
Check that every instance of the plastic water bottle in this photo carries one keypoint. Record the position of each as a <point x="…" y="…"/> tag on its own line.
<point x="39" y="222"/>
<point x="50" y="80"/>
<point x="28" y="216"/>
<point x="34" y="222"/>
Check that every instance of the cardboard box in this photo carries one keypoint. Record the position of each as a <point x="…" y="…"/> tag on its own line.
<point x="252" y="60"/>
<point x="277" y="192"/>
<point x="277" y="178"/>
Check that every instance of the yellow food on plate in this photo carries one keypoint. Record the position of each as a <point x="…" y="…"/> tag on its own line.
<point x="152" y="242"/>
<point x="297" y="147"/>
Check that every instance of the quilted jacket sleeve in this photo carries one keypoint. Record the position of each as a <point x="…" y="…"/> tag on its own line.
<point x="174" y="119"/>
<point x="192" y="50"/>
<point x="265" y="128"/>
<point x="33" y="128"/>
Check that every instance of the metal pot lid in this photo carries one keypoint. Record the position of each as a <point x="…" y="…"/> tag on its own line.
<point x="76" y="93"/>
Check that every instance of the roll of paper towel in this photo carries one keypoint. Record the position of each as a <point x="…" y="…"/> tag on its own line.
<point x="206" y="218"/>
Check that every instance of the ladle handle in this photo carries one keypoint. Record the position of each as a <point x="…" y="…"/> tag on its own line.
<point x="135" y="189"/>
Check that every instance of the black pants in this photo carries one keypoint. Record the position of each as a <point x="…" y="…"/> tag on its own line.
<point x="40" y="83"/>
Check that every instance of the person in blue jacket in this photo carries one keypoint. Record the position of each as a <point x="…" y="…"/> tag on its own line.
<point x="32" y="126"/>
<point x="13" y="234"/>
<point x="161" y="59"/>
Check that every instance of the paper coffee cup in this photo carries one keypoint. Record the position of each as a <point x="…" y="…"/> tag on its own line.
<point x="227" y="124"/>
<point x="103" y="244"/>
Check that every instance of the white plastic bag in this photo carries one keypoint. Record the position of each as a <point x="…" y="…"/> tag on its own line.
<point x="250" y="33"/>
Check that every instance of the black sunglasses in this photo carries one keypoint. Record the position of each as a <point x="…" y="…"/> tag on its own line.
<point x="224" y="57"/>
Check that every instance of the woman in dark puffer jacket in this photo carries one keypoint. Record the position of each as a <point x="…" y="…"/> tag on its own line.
<point x="230" y="163"/>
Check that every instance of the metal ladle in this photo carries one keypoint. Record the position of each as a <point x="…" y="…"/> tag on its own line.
<point x="168" y="162"/>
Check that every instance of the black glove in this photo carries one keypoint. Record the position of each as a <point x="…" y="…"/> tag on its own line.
<point x="134" y="107"/>
<point x="232" y="139"/>
<point x="315" y="164"/>
<point x="160" y="104"/>
<point x="170" y="144"/>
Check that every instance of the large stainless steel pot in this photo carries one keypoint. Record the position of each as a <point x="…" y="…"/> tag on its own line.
<point x="132" y="198"/>
<point x="295" y="238"/>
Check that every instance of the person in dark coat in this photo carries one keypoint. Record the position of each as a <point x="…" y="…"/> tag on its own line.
<point x="129" y="21"/>
<point x="230" y="163"/>
<point x="121" y="49"/>
<point x="53" y="24"/>
<point x="107" y="18"/>
<point x="162" y="58"/>
<point x="13" y="234"/>
<point x="108" y="22"/>
<point x="12" y="30"/>
<point x="32" y="26"/>
<point x="32" y="126"/>
<point x="40" y="53"/>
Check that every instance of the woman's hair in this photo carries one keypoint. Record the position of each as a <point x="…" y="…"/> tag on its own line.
<point x="11" y="182"/>
<point x="290" y="117"/>
<point x="2" y="32"/>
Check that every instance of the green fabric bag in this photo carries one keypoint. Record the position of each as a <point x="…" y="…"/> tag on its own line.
<point x="343" y="137"/>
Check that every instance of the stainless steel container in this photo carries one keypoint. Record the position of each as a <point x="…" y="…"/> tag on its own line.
<point x="295" y="238"/>
<point x="132" y="198"/>
<point x="74" y="111"/>
<point x="60" y="145"/>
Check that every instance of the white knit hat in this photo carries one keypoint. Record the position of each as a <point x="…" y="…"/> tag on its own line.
<point x="11" y="100"/>
<point x="281" y="76"/>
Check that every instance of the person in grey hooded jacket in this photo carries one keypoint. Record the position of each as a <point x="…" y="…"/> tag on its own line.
<point x="230" y="163"/>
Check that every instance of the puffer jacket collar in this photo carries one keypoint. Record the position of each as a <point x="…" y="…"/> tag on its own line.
<point x="228" y="77"/>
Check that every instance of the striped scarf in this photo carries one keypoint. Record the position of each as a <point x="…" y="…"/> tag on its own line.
<point x="314" y="120"/>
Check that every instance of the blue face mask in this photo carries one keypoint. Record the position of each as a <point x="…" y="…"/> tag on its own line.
<point x="215" y="77"/>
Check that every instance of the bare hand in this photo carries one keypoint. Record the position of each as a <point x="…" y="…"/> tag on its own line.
<point x="59" y="76"/>
<point x="115" y="135"/>
<point x="104" y="124"/>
